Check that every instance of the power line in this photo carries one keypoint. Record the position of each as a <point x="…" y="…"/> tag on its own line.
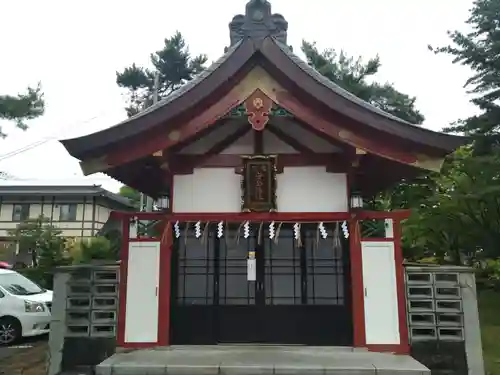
<point x="7" y="176"/>
<point x="42" y="141"/>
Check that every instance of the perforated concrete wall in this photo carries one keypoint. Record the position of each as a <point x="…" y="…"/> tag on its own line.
<point x="84" y="317"/>
<point x="443" y="319"/>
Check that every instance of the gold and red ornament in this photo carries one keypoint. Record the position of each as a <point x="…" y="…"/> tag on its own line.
<point x="258" y="106"/>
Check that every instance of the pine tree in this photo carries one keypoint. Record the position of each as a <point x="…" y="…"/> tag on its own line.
<point x="173" y="65"/>
<point x="22" y="107"/>
<point x="480" y="50"/>
<point x="352" y="75"/>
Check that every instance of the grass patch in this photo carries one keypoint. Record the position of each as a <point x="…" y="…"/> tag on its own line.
<point x="489" y="313"/>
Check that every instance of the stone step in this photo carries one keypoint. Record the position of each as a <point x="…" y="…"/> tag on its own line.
<point x="258" y="360"/>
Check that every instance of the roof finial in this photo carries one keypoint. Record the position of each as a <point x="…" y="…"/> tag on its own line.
<point x="258" y="22"/>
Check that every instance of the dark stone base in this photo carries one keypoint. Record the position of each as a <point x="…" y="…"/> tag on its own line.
<point x="441" y="357"/>
<point x="84" y="353"/>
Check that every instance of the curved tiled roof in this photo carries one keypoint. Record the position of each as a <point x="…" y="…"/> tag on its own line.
<point x="134" y="125"/>
<point x="294" y="68"/>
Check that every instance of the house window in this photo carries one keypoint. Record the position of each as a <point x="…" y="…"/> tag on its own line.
<point x="67" y="212"/>
<point x="20" y="212"/>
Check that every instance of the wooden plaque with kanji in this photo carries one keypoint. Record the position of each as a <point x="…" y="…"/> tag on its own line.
<point x="259" y="184"/>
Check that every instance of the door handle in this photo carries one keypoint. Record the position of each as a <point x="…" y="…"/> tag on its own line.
<point x="366" y="293"/>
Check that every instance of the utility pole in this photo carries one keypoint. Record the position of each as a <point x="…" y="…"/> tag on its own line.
<point x="146" y="203"/>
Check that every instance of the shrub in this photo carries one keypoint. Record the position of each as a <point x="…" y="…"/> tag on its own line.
<point x="38" y="275"/>
<point x="96" y="248"/>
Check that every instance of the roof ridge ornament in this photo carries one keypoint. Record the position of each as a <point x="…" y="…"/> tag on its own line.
<point x="258" y="22"/>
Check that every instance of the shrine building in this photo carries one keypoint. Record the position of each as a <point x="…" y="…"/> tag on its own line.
<point x="264" y="164"/>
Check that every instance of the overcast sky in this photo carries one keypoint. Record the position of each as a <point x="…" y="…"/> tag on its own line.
<point x="75" y="47"/>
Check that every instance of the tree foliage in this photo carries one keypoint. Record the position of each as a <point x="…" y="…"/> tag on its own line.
<point x="172" y="66"/>
<point x="94" y="249"/>
<point x="22" y="107"/>
<point x="42" y="240"/>
<point x="461" y="219"/>
<point x="46" y="246"/>
<point x="458" y="217"/>
<point x="455" y="214"/>
<point x="479" y="49"/>
<point x="353" y="75"/>
<point x="133" y="195"/>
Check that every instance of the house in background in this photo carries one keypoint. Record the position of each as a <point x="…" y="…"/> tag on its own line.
<point x="77" y="210"/>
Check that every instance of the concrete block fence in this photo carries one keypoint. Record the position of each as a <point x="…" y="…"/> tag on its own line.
<point x="84" y="317"/>
<point x="443" y="319"/>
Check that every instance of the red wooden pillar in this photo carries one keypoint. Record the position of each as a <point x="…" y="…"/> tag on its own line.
<point x="165" y="286"/>
<point x="357" y="288"/>
<point x="122" y="290"/>
<point x="400" y="285"/>
<point x="166" y="248"/>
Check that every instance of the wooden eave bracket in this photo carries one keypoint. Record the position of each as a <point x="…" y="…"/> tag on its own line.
<point x="429" y="163"/>
<point x="95" y="165"/>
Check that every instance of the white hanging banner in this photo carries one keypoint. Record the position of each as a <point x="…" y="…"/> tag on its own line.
<point x="132" y="231"/>
<point x="251" y="267"/>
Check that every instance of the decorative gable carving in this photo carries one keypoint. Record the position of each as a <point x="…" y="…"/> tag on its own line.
<point x="258" y="22"/>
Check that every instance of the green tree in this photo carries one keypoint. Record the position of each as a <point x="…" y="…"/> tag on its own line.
<point x="22" y="107"/>
<point x="42" y="240"/>
<point x="479" y="49"/>
<point x="354" y="75"/>
<point x="46" y="246"/>
<point x="133" y="195"/>
<point x="173" y="66"/>
<point x="461" y="217"/>
<point x="95" y="249"/>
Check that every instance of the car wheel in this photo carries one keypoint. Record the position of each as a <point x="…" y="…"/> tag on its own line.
<point x="10" y="331"/>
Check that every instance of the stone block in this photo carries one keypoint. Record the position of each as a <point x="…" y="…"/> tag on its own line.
<point x="192" y="369"/>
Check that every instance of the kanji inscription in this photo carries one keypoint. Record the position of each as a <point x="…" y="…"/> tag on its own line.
<point x="259" y="184"/>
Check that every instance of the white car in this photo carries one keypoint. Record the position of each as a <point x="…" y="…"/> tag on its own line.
<point x="24" y="307"/>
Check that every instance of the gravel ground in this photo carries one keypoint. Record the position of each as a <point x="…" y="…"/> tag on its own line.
<point x="26" y="358"/>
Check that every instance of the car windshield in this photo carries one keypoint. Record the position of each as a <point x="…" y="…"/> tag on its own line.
<point x="19" y="285"/>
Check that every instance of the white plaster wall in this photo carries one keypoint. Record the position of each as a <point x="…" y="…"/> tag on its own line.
<point x="311" y="189"/>
<point x="381" y="301"/>
<point x="299" y="189"/>
<point x="207" y="190"/>
<point x="143" y="279"/>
